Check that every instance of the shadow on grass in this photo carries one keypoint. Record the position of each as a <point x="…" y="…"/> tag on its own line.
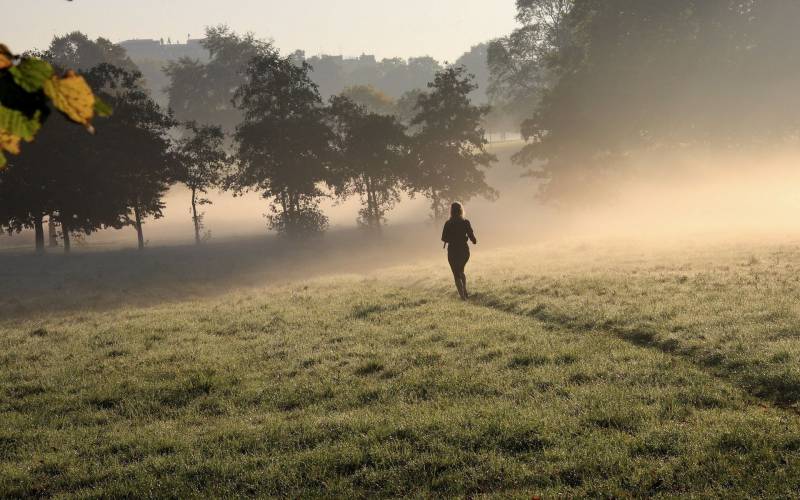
<point x="764" y="381"/>
<point x="34" y="285"/>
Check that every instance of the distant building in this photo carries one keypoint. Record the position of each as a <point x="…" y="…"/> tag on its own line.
<point x="140" y="50"/>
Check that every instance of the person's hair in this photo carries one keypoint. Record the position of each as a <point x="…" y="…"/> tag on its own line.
<point x="456" y="211"/>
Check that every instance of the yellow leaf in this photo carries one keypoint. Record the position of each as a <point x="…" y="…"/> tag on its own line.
<point x="9" y="142"/>
<point x="6" y="59"/>
<point x="72" y="96"/>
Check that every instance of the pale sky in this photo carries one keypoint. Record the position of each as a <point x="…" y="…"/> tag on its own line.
<point x="443" y="29"/>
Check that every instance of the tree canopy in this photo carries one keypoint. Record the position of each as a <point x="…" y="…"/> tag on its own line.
<point x="450" y="145"/>
<point x="283" y="142"/>
<point x="372" y="159"/>
<point x="29" y="87"/>
<point x="619" y="76"/>
<point x="77" y="51"/>
<point x="519" y="63"/>
<point x="204" y="92"/>
<point x="135" y="146"/>
<point x="200" y="165"/>
<point x="288" y="144"/>
<point x="370" y="98"/>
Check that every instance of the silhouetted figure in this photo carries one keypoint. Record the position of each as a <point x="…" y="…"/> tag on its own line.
<point x="455" y="234"/>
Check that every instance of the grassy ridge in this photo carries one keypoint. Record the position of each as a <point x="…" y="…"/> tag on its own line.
<point x="573" y="372"/>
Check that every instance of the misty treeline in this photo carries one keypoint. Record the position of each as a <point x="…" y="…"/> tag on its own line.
<point x="398" y="79"/>
<point x="247" y="119"/>
<point x="598" y="82"/>
<point x="592" y="84"/>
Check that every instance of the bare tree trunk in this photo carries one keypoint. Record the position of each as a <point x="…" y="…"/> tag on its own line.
<point x="295" y="218"/>
<point x="39" y="230"/>
<point x="372" y="208"/>
<point x="284" y="210"/>
<point x="51" y="231"/>
<point x="373" y="221"/>
<point x="65" y="235"/>
<point x="138" y="224"/>
<point x="436" y="205"/>
<point x="195" y="217"/>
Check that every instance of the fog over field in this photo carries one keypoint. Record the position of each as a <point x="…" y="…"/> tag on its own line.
<point x="696" y="196"/>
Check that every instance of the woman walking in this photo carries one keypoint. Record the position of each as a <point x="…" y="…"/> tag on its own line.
<point x="457" y="230"/>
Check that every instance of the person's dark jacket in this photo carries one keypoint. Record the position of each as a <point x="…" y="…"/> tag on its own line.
<point x="456" y="232"/>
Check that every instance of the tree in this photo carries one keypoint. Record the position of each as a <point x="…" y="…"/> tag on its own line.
<point x="204" y="92"/>
<point x="329" y="73"/>
<point x="86" y="184"/>
<point x="24" y="198"/>
<point x="81" y="186"/>
<point x="64" y="176"/>
<point x="28" y="190"/>
<point x="135" y="146"/>
<point x="371" y="161"/>
<point x="284" y="142"/>
<point x="201" y="163"/>
<point x="393" y="76"/>
<point x="476" y="60"/>
<point x="28" y="87"/>
<point x="406" y="106"/>
<point x="77" y="51"/>
<point x="450" y="146"/>
<point x="648" y="75"/>
<point x="421" y="71"/>
<point x="82" y="191"/>
<point x="370" y="98"/>
<point x="520" y="63"/>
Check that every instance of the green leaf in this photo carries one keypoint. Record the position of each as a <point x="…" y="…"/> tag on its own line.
<point x="31" y="74"/>
<point x="72" y="96"/>
<point x="2" y="161"/>
<point x="101" y="108"/>
<point x="16" y="123"/>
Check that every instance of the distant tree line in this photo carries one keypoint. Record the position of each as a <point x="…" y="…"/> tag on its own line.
<point x="295" y="147"/>
<point x="248" y="119"/>
<point x="393" y="77"/>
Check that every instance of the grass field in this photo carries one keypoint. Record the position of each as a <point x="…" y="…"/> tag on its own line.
<point x="575" y="370"/>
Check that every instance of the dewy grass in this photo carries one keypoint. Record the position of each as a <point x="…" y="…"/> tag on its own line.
<point x="572" y="372"/>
